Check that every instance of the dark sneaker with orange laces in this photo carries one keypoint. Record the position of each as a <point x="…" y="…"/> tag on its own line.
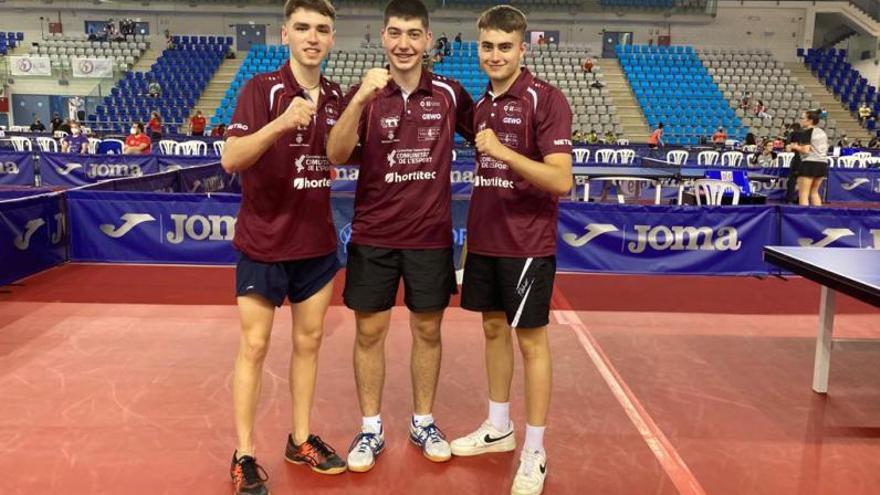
<point x="316" y="454"/>
<point x="248" y="477"/>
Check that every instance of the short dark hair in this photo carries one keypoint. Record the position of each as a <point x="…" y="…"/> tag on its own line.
<point x="504" y="18"/>
<point x="407" y="9"/>
<point x="813" y="115"/>
<point x="322" y="7"/>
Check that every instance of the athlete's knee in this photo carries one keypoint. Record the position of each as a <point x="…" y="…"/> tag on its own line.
<point x="370" y="335"/>
<point x="254" y="347"/>
<point x="426" y="330"/>
<point x="307" y="338"/>
<point x="533" y="343"/>
<point x="496" y="329"/>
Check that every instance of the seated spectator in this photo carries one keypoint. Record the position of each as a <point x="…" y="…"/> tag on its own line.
<point x="874" y="143"/>
<point x="154" y="126"/>
<point x="764" y="159"/>
<point x="779" y="143"/>
<point x="37" y="126"/>
<point x="169" y="41"/>
<point x="65" y="126"/>
<point x="137" y="143"/>
<point x="761" y="111"/>
<point x="745" y="101"/>
<point x="76" y="142"/>
<point x="843" y="142"/>
<point x="864" y="113"/>
<point x="577" y="136"/>
<point x="197" y="124"/>
<point x="857" y="143"/>
<point x="610" y="138"/>
<point x="219" y="131"/>
<point x="750" y="140"/>
<point x="592" y="137"/>
<point x="56" y="122"/>
<point x="587" y="65"/>
<point x="458" y="39"/>
<point x="720" y="137"/>
<point x="154" y="89"/>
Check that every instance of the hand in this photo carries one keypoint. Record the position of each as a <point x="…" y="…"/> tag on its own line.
<point x="374" y="81"/>
<point x="299" y="114"/>
<point x="487" y="143"/>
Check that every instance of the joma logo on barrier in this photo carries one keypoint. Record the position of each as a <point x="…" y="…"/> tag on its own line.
<point x="113" y="170"/>
<point x="8" y="168"/>
<point x="200" y="228"/>
<point x="23" y="241"/>
<point x="665" y="238"/>
<point x="832" y="235"/>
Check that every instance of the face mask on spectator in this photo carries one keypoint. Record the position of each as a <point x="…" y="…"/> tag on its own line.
<point x="134" y="130"/>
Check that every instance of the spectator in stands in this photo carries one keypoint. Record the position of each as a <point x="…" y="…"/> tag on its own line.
<point x="745" y="102"/>
<point x="443" y="45"/>
<point x="76" y="142"/>
<point x="578" y="137"/>
<point x="541" y="40"/>
<point x="592" y="137"/>
<point x="587" y="65"/>
<point x="857" y="143"/>
<point x="169" y="41"/>
<point x="751" y="140"/>
<point x="137" y="143"/>
<point x="155" y="126"/>
<point x="154" y="89"/>
<point x="56" y="122"/>
<point x="458" y="40"/>
<point x="197" y="124"/>
<point x="763" y="159"/>
<point x="874" y="143"/>
<point x="779" y="143"/>
<point x="720" y="137"/>
<point x="38" y="126"/>
<point x="843" y="142"/>
<point x="219" y="131"/>
<point x="65" y="126"/>
<point x="610" y="137"/>
<point x="813" y="148"/>
<point x="864" y="113"/>
<point x="656" y="139"/>
<point x="761" y="111"/>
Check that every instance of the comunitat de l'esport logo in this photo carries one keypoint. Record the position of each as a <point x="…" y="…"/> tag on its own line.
<point x="315" y="164"/>
<point x="398" y="158"/>
<point x="182" y="227"/>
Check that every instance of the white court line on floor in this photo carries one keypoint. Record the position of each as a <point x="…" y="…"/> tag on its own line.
<point x="679" y="473"/>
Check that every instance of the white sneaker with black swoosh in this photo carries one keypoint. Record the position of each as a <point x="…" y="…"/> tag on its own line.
<point x="529" y="479"/>
<point x="484" y="440"/>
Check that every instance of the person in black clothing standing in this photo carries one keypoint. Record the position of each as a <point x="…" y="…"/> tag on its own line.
<point x="56" y="122"/>
<point x="794" y="137"/>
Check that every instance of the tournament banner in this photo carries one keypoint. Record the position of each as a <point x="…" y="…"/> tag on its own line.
<point x="461" y="177"/>
<point x="30" y="66"/>
<point x="853" y="184"/>
<point x="70" y="170"/>
<point x="723" y="240"/>
<point x="92" y="67"/>
<point x="171" y="162"/>
<point x="129" y="227"/>
<point x="31" y="236"/>
<point x="830" y="227"/>
<point x="16" y="168"/>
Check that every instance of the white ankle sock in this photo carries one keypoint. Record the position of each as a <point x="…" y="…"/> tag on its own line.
<point x="373" y="423"/>
<point x="423" y="419"/>
<point x="499" y="415"/>
<point x="534" y="438"/>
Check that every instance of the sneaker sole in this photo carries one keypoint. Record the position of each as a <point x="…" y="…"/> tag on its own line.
<point x="338" y="470"/>
<point x="488" y="449"/>
<point x="430" y="457"/>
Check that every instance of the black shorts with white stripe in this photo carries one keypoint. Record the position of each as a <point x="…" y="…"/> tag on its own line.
<point x="520" y="287"/>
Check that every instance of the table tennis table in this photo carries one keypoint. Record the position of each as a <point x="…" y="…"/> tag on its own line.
<point x="852" y="271"/>
<point x="583" y="175"/>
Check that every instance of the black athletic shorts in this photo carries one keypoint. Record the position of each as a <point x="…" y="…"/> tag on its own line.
<point x="296" y="280"/>
<point x="373" y="274"/>
<point x="520" y="287"/>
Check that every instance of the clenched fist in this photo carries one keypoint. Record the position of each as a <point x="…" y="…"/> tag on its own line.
<point x="299" y="114"/>
<point x="374" y="81"/>
<point x="487" y="143"/>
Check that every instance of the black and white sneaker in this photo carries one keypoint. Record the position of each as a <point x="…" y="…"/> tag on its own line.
<point x="529" y="479"/>
<point x="484" y="440"/>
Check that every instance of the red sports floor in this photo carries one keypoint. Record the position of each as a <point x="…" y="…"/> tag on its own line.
<point x="663" y="385"/>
